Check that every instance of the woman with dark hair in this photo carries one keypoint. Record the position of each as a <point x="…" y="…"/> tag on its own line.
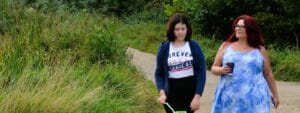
<point x="180" y="67"/>
<point x="246" y="76"/>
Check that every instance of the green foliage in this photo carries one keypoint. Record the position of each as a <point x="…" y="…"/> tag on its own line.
<point x="285" y="64"/>
<point x="13" y="62"/>
<point x="151" y="16"/>
<point x="104" y="47"/>
<point x="209" y="48"/>
<point x="146" y="36"/>
<point x="177" y="6"/>
<point x="289" y="71"/>
<point x="291" y="7"/>
<point x="67" y="62"/>
<point x="118" y="8"/>
<point x="56" y="89"/>
<point x="281" y="27"/>
<point x="213" y="18"/>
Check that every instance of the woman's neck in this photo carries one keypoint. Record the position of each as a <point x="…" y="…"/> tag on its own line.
<point x="243" y="42"/>
<point x="178" y="43"/>
<point x="242" y="45"/>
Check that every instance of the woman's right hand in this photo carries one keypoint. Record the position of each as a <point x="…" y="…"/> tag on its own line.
<point x="162" y="97"/>
<point x="225" y="70"/>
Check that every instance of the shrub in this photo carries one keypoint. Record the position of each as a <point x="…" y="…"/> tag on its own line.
<point x="285" y="64"/>
<point x="104" y="47"/>
<point x="213" y="18"/>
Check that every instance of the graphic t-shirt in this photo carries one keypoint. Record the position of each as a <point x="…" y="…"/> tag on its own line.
<point x="180" y="61"/>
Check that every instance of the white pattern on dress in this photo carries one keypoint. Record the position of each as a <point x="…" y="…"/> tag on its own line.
<point x="246" y="91"/>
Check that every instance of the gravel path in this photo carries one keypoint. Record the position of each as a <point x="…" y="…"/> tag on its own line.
<point x="289" y="92"/>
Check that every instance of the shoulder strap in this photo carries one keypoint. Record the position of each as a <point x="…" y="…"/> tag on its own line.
<point x="226" y="44"/>
<point x="263" y="51"/>
<point x="223" y="47"/>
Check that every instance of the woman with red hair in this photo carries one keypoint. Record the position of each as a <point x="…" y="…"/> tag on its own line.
<point x="246" y="85"/>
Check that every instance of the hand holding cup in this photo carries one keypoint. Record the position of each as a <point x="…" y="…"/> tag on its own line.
<point x="231" y="66"/>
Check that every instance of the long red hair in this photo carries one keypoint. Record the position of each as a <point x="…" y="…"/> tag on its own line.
<point x="254" y="36"/>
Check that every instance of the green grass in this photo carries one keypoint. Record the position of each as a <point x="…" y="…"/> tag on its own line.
<point x="286" y="64"/>
<point x="144" y="36"/>
<point x="68" y="63"/>
<point x="67" y="88"/>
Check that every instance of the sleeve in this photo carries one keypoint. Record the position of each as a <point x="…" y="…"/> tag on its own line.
<point x="159" y="73"/>
<point x="201" y="70"/>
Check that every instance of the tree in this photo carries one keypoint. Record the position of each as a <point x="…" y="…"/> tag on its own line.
<point x="279" y="19"/>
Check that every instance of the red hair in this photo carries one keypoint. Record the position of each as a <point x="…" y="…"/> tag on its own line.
<point x="254" y="36"/>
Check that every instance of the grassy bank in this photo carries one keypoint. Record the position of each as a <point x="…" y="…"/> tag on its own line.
<point x="67" y="62"/>
<point x="66" y="88"/>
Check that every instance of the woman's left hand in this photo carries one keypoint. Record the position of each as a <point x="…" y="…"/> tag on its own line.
<point x="195" y="104"/>
<point x="276" y="101"/>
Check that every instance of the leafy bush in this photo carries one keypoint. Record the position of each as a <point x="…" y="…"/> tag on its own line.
<point x="288" y="71"/>
<point x="285" y="64"/>
<point x="213" y="18"/>
<point x="155" y="16"/>
<point x="146" y="36"/>
<point x="104" y="47"/>
<point x="209" y="48"/>
<point x="118" y="8"/>
<point x="278" y="30"/>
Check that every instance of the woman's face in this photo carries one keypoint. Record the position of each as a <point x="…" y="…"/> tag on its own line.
<point x="180" y="31"/>
<point x="240" y="30"/>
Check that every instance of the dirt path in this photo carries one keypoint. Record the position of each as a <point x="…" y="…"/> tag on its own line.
<point x="289" y="93"/>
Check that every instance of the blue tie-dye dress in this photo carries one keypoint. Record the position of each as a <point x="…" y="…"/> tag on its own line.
<point x="246" y="91"/>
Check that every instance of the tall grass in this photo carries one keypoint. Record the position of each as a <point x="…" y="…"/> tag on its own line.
<point x="286" y="64"/>
<point x="67" y="63"/>
<point x="66" y="88"/>
<point x="145" y="36"/>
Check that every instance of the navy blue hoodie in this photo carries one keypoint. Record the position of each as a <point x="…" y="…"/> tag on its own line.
<point x="162" y="70"/>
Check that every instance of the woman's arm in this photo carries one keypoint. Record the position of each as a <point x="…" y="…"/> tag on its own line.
<point x="269" y="76"/>
<point x="200" y="66"/>
<point x="159" y="75"/>
<point x="159" y="71"/>
<point x="216" y="67"/>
